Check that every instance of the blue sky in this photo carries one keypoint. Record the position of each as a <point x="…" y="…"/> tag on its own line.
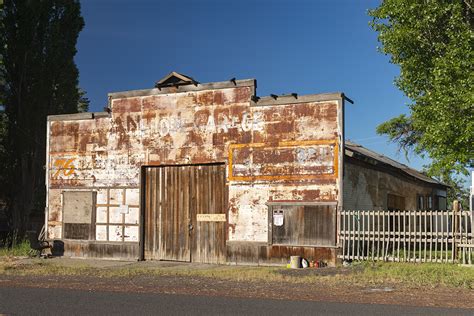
<point x="288" y="46"/>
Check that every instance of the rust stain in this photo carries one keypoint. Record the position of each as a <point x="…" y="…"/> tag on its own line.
<point x="219" y="97"/>
<point x="282" y="127"/>
<point x="131" y="124"/>
<point x="242" y="94"/>
<point x="101" y="138"/>
<point x="277" y="173"/>
<point x="232" y="228"/>
<point x="284" y="152"/>
<point x="128" y="105"/>
<point x="205" y="97"/>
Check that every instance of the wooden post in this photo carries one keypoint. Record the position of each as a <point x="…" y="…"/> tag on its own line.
<point x="454" y="228"/>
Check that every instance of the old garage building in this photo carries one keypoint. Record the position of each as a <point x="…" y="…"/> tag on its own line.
<point x="208" y="173"/>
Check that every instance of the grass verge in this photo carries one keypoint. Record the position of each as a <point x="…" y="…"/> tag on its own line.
<point x="424" y="274"/>
<point x="362" y="274"/>
<point x="20" y="249"/>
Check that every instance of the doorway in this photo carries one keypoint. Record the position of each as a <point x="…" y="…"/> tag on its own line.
<point x="185" y="213"/>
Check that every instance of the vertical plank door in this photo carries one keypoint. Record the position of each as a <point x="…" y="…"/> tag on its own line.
<point x="209" y="213"/>
<point x="174" y="198"/>
<point x="174" y="235"/>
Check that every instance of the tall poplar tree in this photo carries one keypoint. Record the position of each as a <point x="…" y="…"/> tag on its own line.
<point x="38" y="45"/>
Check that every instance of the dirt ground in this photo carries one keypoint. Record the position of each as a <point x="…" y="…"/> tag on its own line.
<point x="209" y="286"/>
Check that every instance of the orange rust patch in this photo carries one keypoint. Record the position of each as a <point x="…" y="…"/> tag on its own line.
<point x="194" y="139"/>
<point x="242" y="95"/>
<point x="131" y="124"/>
<point x="126" y="105"/>
<point x="205" y="98"/>
<point x="124" y="138"/>
<point x="219" y="97"/>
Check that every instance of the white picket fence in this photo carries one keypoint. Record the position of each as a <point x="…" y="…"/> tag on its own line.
<point x="407" y="236"/>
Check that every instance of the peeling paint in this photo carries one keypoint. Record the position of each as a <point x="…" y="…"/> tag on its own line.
<point x="285" y="152"/>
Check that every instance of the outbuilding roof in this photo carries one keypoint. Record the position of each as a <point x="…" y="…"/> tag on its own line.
<point x="359" y="152"/>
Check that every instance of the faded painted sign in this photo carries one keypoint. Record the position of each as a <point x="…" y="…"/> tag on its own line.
<point x="287" y="161"/>
<point x="211" y="217"/>
<point x="206" y="123"/>
<point x="274" y="152"/>
<point x="63" y="166"/>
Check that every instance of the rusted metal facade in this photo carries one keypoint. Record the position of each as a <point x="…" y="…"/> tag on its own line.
<point x="274" y="153"/>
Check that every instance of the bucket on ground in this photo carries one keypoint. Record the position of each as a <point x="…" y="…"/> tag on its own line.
<point x="295" y="262"/>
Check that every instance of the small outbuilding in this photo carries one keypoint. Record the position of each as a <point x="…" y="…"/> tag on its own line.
<point x="213" y="173"/>
<point x="375" y="182"/>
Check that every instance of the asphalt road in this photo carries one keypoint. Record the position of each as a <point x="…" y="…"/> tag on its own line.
<point x="36" y="301"/>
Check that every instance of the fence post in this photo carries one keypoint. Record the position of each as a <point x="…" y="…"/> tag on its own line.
<point x="454" y="228"/>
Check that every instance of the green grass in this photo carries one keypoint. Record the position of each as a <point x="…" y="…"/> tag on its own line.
<point x="405" y="256"/>
<point x="363" y="274"/>
<point x="412" y="274"/>
<point x="19" y="249"/>
<point x="43" y="267"/>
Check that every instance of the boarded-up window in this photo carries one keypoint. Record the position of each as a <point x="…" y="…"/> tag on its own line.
<point x="395" y="202"/>
<point x="303" y="225"/>
<point x="78" y="210"/>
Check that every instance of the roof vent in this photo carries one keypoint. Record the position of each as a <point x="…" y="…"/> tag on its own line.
<point x="175" y="79"/>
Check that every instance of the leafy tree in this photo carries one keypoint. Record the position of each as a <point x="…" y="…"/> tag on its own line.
<point x="432" y="41"/>
<point x="38" y="44"/>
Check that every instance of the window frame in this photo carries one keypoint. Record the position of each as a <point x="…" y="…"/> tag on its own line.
<point x="122" y="224"/>
<point x="429" y="202"/>
<point x="420" y="202"/>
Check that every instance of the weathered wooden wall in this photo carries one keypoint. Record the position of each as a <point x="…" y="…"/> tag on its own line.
<point x="275" y="150"/>
<point x="185" y="213"/>
<point x="366" y="187"/>
<point x="263" y="254"/>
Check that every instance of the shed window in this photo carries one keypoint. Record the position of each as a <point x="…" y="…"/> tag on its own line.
<point x="439" y="203"/>
<point x="420" y="202"/>
<point x="78" y="212"/>
<point x="429" y="202"/>
<point x="303" y="225"/>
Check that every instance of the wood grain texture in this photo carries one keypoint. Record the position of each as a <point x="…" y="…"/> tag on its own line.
<point x="174" y="197"/>
<point x="310" y="225"/>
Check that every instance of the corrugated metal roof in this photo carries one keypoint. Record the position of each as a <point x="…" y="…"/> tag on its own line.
<point x="388" y="161"/>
